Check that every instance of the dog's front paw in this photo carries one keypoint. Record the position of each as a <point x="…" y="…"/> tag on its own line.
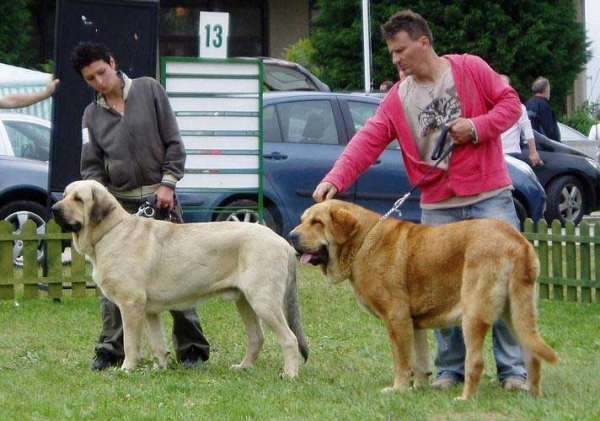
<point x="394" y="390"/>
<point x="159" y="366"/>
<point x="237" y="367"/>
<point x="288" y="375"/>
<point x="128" y="366"/>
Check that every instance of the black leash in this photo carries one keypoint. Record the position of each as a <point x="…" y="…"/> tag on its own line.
<point x="438" y="156"/>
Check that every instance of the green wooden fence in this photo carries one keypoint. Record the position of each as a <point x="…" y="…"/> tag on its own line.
<point x="569" y="258"/>
<point x="56" y="279"/>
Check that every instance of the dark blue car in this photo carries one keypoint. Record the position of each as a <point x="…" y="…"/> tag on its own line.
<point x="304" y="133"/>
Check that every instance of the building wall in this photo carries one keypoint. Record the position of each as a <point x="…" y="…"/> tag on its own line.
<point x="287" y="23"/>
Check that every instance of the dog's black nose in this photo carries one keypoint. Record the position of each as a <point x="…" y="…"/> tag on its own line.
<point x="55" y="209"/>
<point x="293" y="237"/>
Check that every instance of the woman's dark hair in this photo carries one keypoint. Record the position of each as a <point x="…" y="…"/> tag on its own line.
<point x="85" y="53"/>
<point x="408" y="21"/>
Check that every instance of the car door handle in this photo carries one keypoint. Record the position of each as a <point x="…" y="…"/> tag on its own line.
<point x="277" y="156"/>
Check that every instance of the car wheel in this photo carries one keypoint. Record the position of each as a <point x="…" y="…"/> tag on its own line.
<point x="245" y="210"/>
<point x="521" y="212"/>
<point x="565" y="200"/>
<point x="17" y="213"/>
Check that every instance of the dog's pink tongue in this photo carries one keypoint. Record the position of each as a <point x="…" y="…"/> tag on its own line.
<point x="305" y="258"/>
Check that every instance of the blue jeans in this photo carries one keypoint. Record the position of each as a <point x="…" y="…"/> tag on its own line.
<point x="450" y="357"/>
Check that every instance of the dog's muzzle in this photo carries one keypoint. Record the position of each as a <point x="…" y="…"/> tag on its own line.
<point x="318" y="257"/>
<point x="60" y="219"/>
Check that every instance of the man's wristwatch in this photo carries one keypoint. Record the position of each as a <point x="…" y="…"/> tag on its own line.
<point x="473" y="132"/>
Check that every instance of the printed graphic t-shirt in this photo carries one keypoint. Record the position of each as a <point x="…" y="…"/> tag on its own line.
<point x="427" y="108"/>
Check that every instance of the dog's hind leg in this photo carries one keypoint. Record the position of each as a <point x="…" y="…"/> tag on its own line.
<point x="532" y="363"/>
<point x="474" y="332"/>
<point x="273" y="316"/>
<point x="157" y="340"/>
<point x="534" y="372"/>
<point x="256" y="336"/>
<point x="421" y="361"/>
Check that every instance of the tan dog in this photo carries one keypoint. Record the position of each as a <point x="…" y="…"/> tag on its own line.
<point x="415" y="277"/>
<point x="147" y="266"/>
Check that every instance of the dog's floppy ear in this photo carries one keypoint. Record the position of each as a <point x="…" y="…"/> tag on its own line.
<point x="102" y="206"/>
<point x="345" y="225"/>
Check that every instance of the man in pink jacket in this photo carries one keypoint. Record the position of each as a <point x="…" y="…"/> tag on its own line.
<point x="463" y="93"/>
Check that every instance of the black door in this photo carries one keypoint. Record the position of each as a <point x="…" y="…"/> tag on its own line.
<point x="130" y="30"/>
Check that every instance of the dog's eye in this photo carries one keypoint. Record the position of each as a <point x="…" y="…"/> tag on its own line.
<point x="316" y="222"/>
<point x="77" y="199"/>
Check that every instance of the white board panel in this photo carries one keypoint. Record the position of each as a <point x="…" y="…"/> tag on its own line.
<point x="198" y="104"/>
<point x="219" y="181"/>
<point x="205" y="123"/>
<point x="220" y="142"/>
<point x="211" y="86"/>
<point x="211" y="68"/>
<point x="240" y="162"/>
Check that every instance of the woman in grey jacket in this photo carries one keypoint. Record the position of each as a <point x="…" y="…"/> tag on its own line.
<point x="133" y="146"/>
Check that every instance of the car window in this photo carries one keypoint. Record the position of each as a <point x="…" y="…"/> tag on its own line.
<point x="28" y="140"/>
<point x="307" y="122"/>
<point x="271" y="131"/>
<point x="360" y="113"/>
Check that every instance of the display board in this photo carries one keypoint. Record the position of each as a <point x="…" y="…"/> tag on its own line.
<point x="218" y="105"/>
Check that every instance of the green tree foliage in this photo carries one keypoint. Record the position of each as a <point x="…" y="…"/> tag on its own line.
<point x="521" y="38"/>
<point x="15" y="33"/>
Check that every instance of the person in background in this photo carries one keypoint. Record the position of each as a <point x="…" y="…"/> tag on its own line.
<point x="595" y="135"/>
<point x="511" y="139"/>
<point x="463" y="93"/>
<point x="132" y="145"/>
<point x="386" y="85"/>
<point x="539" y="110"/>
<point x="22" y="100"/>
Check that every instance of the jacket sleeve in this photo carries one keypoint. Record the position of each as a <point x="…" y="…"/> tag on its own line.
<point x="174" y="162"/>
<point x="525" y="124"/>
<point x="361" y="152"/>
<point x="548" y="122"/>
<point x="92" y="156"/>
<point x="500" y="100"/>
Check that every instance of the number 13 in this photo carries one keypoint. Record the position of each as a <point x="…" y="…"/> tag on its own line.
<point x="218" y="34"/>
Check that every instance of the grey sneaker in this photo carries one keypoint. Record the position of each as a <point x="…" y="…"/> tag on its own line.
<point x="514" y="383"/>
<point x="444" y="383"/>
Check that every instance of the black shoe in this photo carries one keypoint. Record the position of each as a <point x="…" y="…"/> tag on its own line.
<point x="105" y="359"/>
<point x="192" y="359"/>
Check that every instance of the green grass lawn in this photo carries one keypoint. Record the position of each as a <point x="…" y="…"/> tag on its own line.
<point x="46" y="348"/>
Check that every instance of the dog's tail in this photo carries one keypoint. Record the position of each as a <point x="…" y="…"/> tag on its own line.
<point x="523" y="296"/>
<point x="293" y="308"/>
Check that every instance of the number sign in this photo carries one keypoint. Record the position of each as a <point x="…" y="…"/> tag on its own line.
<point x="214" y="32"/>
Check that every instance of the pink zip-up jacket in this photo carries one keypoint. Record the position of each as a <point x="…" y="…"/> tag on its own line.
<point x="492" y="106"/>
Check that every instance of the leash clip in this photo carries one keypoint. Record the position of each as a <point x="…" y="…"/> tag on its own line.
<point x="146" y="210"/>
<point x="396" y="207"/>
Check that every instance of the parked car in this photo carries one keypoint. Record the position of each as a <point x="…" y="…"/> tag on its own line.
<point x="569" y="134"/>
<point x="570" y="178"/>
<point x="282" y="75"/>
<point x="24" y="136"/>
<point x="24" y="149"/>
<point x="304" y="133"/>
